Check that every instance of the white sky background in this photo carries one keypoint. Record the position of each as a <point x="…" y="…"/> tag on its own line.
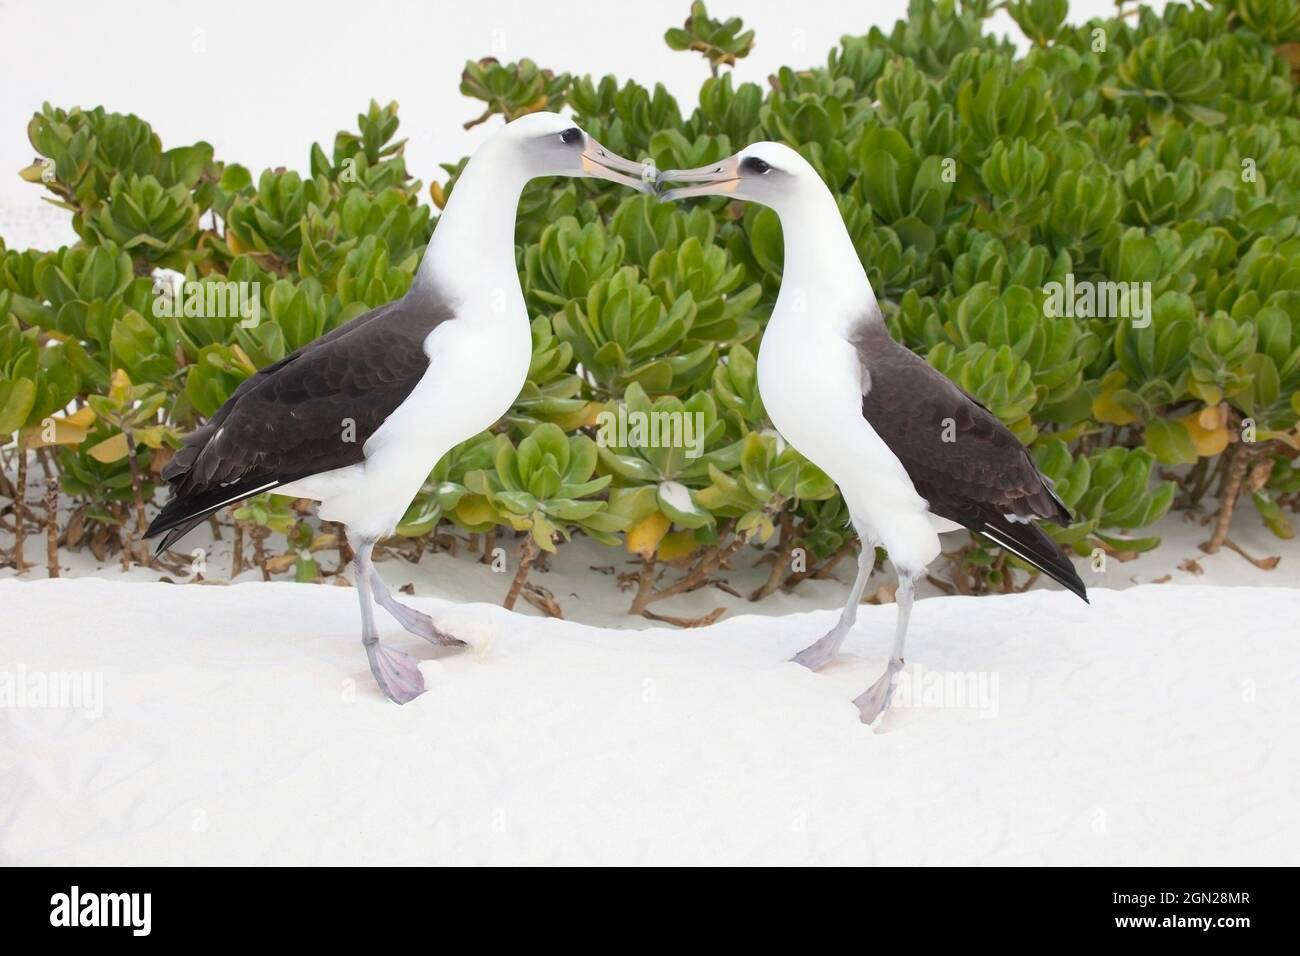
<point x="273" y="77"/>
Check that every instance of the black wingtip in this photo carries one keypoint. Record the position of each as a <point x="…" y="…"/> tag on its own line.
<point x="173" y="534"/>
<point x="1031" y="544"/>
<point x="182" y="514"/>
<point x="1076" y="587"/>
<point x="1064" y="572"/>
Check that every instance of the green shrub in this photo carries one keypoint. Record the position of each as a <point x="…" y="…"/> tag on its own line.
<point x="1160" y="149"/>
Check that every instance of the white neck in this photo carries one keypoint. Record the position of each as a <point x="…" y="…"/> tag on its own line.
<point x="472" y="253"/>
<point x="821" y="265"/>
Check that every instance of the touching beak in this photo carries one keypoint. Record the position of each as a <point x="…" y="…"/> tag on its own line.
<point x="716" y="179"/>
<point x="600" y="163"/>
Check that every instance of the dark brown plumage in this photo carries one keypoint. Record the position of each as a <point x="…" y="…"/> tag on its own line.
<point x="287" y="421"/>
<point x="976" y="477"/>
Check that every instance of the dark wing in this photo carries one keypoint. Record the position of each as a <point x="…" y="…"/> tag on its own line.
<point x="309" y="413"/>
<point x="960" y="457"/>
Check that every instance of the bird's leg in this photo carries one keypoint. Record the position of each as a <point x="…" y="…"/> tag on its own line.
<point x="397" y="674"/>
<point x="873" y="703"/>
<point x="819" y="653"/>
<point x="417" y="622"/>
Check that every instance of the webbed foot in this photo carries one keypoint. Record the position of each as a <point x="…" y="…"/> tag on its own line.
<point x="397" y="674"/>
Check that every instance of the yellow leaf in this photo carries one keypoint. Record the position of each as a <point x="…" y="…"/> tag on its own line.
<point x="323" y="542"/>
<point x="543" y="534"/>
<point x="584" y="416"/>
<point x="151" y="437"/>
<point x="474" y="511"/>
<point x="1215" y="416"/>
<point x="437" y="194"/>
<point x="281" y="562"/>
<point x="119" y="389"/>
<point x="35" y="173"/>
<point x="1209" y="430"/>
<point x="110" y="449"/>
<point x="677" y="544"/>
<point x="83" y="417"/>
<point x="244" y="360"/>
<point x="591" y="413"/>
<point x="66" y="432"/>
<point x="645" y="537"/>
<point x="1106" y="409"/>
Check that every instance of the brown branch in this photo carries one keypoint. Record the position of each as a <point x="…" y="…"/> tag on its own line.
<point x="487" y="115"/>
<point x="780" y="559"/>
<point x="945" y="586"/>
<point x="644" y="586"/>
<point x="1239" y="462"/>
<point x="140" y="549"/>
<point x="6" y="486"/>
<point x="703" y="621"/>
<point x="237" y="551"/>
<point x="1264" y="564"/>
<point x="20" y="506"/>
<point x="258" y="534"/>
<point x="346" y="554"/>
<point x="52" y="526"/>
<point x="1200" y="481"/>
<point x="124" y="550"/>
<point x="527" y="551"/>
<point x="542" y="599"/>
<point x="960" y="579"/>
<point x="697" y="577"/>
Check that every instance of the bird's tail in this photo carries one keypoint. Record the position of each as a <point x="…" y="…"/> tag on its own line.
<point x="180" y="515"/>
<point x="1030" y="543"/>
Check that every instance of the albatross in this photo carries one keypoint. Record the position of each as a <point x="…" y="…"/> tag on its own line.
<point x="357" y="418"/>
<point x="912" y="453"/>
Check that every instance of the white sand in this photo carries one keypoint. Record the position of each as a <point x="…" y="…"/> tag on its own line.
<point x="240" y="725"/>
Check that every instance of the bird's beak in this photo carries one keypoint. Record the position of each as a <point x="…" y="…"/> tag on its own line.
<point x="600" y="163"/>
<point x="716" y="179"/>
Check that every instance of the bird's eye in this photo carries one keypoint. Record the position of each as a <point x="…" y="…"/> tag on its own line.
<point x="571" y="136"/>
<point x="755" y="165"/>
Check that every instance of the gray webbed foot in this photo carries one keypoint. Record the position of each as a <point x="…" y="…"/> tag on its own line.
<point x="416" y="622"/>
<point x="875" y="700"/>
<point x="397" y="674"/>
<point x="421" y="625"/>
<point x="820" y="653"/>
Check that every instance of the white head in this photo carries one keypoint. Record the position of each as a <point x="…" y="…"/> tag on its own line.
<point x="769" y="173"/>
<point x="820" y="256"/>
<point x="547" y="144"/>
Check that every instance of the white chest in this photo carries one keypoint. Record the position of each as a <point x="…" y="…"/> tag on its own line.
<point x="810" y="382"/>
<point x="476" y="371"/>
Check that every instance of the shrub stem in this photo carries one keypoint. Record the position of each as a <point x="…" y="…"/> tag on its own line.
<point x="527" y="551"/>
<point x="52" y="526"/>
